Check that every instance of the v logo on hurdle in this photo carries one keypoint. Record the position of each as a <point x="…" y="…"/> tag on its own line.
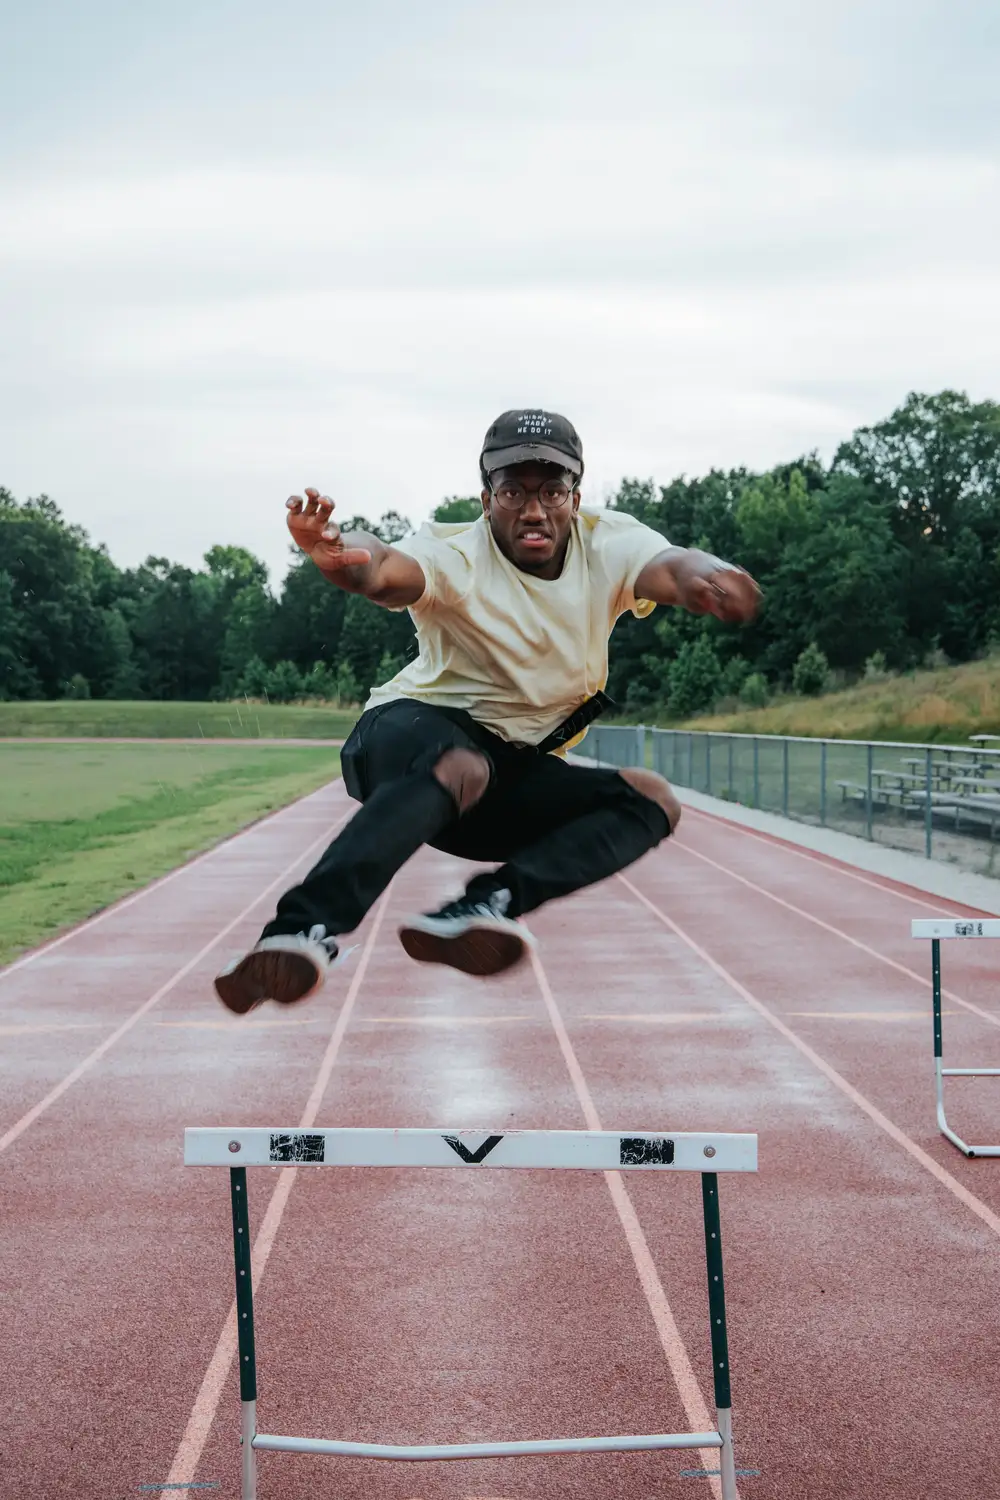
<point x="477" y="1156"/>
<point x="583" y="1150"/>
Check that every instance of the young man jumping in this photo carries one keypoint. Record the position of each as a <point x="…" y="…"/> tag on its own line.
<point x="463" y="749"/>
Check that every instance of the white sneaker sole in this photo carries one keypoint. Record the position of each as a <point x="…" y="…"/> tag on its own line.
<point x="478" y="946"/>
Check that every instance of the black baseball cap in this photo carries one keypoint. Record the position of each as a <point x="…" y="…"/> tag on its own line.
<point x="518" y="437"/>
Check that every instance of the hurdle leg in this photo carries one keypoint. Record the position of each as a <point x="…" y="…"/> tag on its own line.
<point x="720" y="1339"/>
<point x="939" y="1069"/>
<point x="938" y="1041"/>
<point x="244" y="1328"/>
<point x="941" y="1072"/>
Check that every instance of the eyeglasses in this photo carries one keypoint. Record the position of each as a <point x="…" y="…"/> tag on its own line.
<point x="551" y="495"/>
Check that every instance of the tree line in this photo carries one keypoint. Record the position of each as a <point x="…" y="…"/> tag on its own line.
<point x="886" y="558"/>
<point x="73" y="624"/>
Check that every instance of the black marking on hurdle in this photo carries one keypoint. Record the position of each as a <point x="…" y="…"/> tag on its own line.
<point x="244" y="1283"/>
<point x="298" y="1147"/>
<point x="477" y="1156"/>
<point x="645" y="1151"/>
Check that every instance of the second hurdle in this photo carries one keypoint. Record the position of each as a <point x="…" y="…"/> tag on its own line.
<point x="938" y="929"/>
<point x="587" y="1150"/>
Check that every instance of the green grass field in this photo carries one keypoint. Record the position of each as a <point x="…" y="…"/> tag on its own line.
<point x="68" y="719"/>
<point x="944" y="706"/>
<point x="81" y="825"/>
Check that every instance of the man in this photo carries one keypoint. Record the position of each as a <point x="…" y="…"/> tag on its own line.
<point x="463" y="749"/>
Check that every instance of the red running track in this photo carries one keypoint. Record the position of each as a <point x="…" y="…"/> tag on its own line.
<point x="728" y="982"/>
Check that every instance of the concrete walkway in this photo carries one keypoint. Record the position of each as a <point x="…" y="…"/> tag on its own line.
<point x="933" y="876"/>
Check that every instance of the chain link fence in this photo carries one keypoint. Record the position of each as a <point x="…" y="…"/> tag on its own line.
<point x="941" y="801"/>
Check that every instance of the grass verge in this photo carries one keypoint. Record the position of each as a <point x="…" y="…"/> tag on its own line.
<point x="70" y="861"/>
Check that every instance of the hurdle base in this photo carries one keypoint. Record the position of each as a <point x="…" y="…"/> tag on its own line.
<point x="963" y="1146"/>
<point x="435" y="1452"/>
<point x="943" y="1126"/>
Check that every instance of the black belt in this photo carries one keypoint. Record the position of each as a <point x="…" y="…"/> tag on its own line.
<point x="575" y="724"/>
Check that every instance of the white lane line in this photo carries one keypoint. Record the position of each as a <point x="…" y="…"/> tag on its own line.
<point x="836" y="867"/>
<point x="241" y="1023"/>
<point x="443" y="1021"/>
<point x="695" y="1407"/>
<point x="653" y="1018"/>
<point x="838" y="932"/>
<point x="21" y="1125"/>
<point x="37" y="1028"/>
<point x="866" y="1015"/>
<point x="988" y="1217"/>
<point x="89" y="923"/>
<point x="206" y="1403"/>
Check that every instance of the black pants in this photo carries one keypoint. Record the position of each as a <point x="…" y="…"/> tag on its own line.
<point x="552" y="827"/>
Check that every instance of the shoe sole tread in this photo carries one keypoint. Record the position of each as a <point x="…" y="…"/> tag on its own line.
<point x="480" y="951"/>
<point x="280" y="976"/>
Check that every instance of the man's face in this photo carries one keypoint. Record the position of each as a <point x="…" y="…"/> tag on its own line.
<point x="530" y="508"/>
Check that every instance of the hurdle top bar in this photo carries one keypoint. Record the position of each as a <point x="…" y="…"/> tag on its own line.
<point x="589" y="1150"/>
<point x="955" y="927"/>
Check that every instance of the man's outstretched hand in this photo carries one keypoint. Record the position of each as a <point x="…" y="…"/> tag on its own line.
<point x="730" y="594"/>
<point x="312" y="529"/>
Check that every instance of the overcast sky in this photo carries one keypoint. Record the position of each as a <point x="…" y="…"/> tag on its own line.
<point x="247" y="247"/>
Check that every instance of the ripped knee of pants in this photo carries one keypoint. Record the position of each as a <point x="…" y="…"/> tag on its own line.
<point x="465" y="774"/>
<point x="656" y="789"/>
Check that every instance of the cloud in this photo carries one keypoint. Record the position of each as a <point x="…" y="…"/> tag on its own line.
<point x="246" y="250"/>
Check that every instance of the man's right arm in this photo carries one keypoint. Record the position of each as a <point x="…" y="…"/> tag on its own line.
<point x="354" y="561"/>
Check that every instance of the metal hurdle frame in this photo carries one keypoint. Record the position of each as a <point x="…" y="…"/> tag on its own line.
<point x="938" y="928"/>
<point x="589" y="1150"/>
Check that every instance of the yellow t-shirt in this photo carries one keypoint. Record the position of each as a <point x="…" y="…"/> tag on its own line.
<point x="519" y="653"/>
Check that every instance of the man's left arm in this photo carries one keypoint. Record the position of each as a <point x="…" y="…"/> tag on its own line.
<point x="699" y="583"/>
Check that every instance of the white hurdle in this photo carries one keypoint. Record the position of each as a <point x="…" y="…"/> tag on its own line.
<point x="584" y="1150"/>
<point x="938" y="928"/>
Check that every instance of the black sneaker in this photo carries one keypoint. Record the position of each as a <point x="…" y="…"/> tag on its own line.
<point x="474" y="935"/>
<point x="285" y="968"/>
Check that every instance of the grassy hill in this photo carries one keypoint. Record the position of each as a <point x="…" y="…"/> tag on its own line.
<point x="69" y="718"/>
<point x="944" y="705"/>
